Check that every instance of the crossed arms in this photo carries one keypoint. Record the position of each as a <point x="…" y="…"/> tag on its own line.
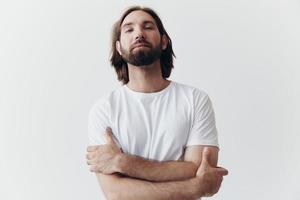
<point x="123" y="176"/>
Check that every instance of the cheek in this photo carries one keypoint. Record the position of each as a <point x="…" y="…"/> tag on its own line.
<point x="125" y="42"/>
<point x="157" y="39"/>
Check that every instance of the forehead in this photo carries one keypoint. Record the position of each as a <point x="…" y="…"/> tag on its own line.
<point x="137" y="17"/>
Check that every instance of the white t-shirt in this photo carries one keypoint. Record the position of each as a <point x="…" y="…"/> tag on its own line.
<point x="157" y="125"/>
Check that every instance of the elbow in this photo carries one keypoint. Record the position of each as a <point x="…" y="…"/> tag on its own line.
<point x="111" y="195"/>
<point x="117" y="195"/>
<point x="110" y="186"/>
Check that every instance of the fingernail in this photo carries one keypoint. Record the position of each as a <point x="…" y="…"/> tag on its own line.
<point x="108" y="129"/>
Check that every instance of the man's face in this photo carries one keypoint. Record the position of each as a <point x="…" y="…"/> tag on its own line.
<point x="140" y="41"/>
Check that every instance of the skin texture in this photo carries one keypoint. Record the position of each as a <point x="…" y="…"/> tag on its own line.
<point x="146" y="78"/>
<point x="123" y="176"/>
<point x="205" y="182"/>
<point x="109" y="159"/>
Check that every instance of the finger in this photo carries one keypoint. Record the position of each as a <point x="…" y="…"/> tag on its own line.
<point x="93" y="168"/>
<point x="91" y="162"/>
<point x="92" y="148"/>
<point x="109" y="137"/>
<point x="108" y="129"/>
<point x="90" y="156"/>
<point x="222" y="171"/>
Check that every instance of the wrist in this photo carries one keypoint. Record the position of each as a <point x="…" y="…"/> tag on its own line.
<point x="120" y="163"/>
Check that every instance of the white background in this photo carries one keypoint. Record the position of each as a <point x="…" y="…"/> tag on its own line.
<point x="54" y="65"/>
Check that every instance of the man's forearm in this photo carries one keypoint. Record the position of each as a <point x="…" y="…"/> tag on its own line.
<point x="125" y="188"/>
<point x="153" y="170"/>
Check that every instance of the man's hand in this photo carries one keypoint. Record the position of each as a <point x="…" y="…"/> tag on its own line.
<point x="104" y="158"/>
<point x="209" y="178"/>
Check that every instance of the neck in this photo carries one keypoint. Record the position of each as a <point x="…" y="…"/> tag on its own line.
<point x="146" y="79"/>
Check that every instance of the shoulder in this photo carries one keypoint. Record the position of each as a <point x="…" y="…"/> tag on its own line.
<point x="106" y="101"/>
<point x="195" y="93"/>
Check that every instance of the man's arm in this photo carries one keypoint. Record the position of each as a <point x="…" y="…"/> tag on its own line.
<point x="157" y="171"/>
<point x="153" y="170"/>
<point x="206" y="183"/>
<point x="194" y="154"/>
<point x="126" y="188"/>
<point x="110" y="160"/>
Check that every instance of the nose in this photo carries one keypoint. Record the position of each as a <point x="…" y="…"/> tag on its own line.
<point x="139" y="34"/>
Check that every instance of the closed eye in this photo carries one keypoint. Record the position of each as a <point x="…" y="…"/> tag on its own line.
<point x="128" y="30"/>
<point x="149" y="27"/>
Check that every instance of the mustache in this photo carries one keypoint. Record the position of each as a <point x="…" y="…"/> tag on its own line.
<point x="139" y="42"/>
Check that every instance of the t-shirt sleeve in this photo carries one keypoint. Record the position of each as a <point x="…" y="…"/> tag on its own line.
<point x="98" y="120"/>
<point x="203" y="130"/>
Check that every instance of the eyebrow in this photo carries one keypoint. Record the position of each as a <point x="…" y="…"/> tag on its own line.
<point x="144" y="22"/>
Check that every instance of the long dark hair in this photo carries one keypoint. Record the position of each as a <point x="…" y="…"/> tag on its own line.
<point x="166" y="59"/>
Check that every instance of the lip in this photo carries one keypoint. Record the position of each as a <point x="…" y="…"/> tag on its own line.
<point x="140" y="45"/>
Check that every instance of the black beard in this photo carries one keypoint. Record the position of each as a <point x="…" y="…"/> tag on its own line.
<point x="142" y="57"/>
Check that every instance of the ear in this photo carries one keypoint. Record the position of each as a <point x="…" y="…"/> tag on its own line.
<point x="164" y="41"/>
<point x="118" y="47"/>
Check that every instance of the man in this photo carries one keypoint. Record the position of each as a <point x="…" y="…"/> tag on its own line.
<point x="152" y="138"/>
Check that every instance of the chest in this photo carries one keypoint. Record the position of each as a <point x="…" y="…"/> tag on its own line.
<point x="152" y="129"/>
